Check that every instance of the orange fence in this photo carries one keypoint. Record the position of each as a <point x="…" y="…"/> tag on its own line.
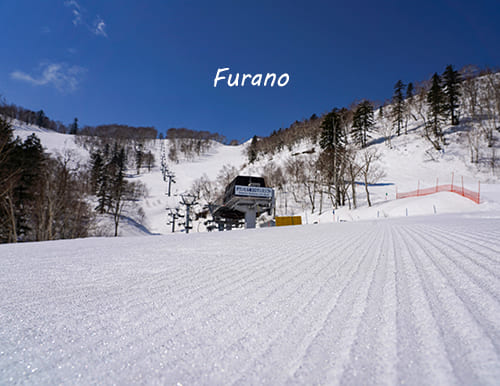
<point x="471" y="195"/>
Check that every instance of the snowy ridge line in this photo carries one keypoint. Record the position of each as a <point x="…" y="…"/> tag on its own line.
<point x="450" y="311"/>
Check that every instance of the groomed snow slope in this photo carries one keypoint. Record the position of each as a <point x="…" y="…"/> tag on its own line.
<point x="413" y="300"/>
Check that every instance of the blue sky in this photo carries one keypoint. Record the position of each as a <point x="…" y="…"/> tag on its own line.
<point x="153" y="62"/>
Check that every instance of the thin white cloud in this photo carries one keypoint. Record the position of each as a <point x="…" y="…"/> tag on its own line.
<point x="77" y="17"/>
<point x="76" y="10"/>
<point x="98" y="27"/>
<point x="72" y="3"/>
<point x="63" y="77"/>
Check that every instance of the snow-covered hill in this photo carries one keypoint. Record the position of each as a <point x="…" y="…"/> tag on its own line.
<point x="409" y="162"/>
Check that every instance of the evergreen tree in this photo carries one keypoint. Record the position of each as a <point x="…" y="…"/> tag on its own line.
<point x="252" y="149"/>
<point x="7" y="142"/>
<point x="41" y="119"/>
<point x="30" y="159"/>
<point x="118" y="185"/>
<point x="398" y="106"/>
<point x="451" y="80"/>
<point x="40" y="199"/>
<point x="409" y="91"/>
<point x="362" y="122"/>
<point x="21" y="166"/>
<point x="102" y="192"/>
<point x="74" y="127"/>
<point x="331" y="132"/>
<point x="331" y="160"/>
<point x="9" y="174"/>
<point x="102" y="176"/>
<point x="436" y="101"/>
<point x="96" y="170"/>
<point x="408" y="102"/>
<point x="345" y="117"/>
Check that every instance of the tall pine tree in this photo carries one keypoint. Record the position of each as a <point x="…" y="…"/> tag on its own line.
<point x="96" y="170"/>
<point x="9" y="176"/>
<point x="331" y="132"/>
<point x="252" y="149"/>
<point x="398" y="105"/>
<point x="30" y="158"/>
<point x="408" y="101"/>
<point x="362" y="122"/>
<point x="332" y="142"/>
<point x="451" y="83"/>
<point x="436" y="101"/>
<point x="118" y="185"/>
<point x="409" y="91"/>
<point x="74" y="127"/>
<point x="101" y="173"/>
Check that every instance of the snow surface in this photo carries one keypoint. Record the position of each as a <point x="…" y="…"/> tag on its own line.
<point x="413" y="300"/>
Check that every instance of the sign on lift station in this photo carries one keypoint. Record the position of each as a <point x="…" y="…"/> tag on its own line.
<point x="253" y="191"/>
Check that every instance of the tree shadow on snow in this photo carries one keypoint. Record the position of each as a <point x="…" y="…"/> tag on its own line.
<point x="135" y="224"/>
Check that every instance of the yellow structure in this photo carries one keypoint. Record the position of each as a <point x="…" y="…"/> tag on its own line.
<point x="288" y="220"/>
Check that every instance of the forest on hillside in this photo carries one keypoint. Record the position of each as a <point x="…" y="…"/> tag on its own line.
<point x="337" y="156"/>
<point x="45" y="197"/>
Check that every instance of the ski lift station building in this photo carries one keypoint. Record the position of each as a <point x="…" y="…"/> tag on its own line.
<point x="246" y="197"/>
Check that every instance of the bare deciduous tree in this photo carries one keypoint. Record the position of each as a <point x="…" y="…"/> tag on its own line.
<point x="205" y="189"/>
<point x="369" y="169"/>
<point x="474" y="139"/>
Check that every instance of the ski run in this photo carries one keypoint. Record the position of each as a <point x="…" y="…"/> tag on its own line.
<point x="412" y="300"/>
